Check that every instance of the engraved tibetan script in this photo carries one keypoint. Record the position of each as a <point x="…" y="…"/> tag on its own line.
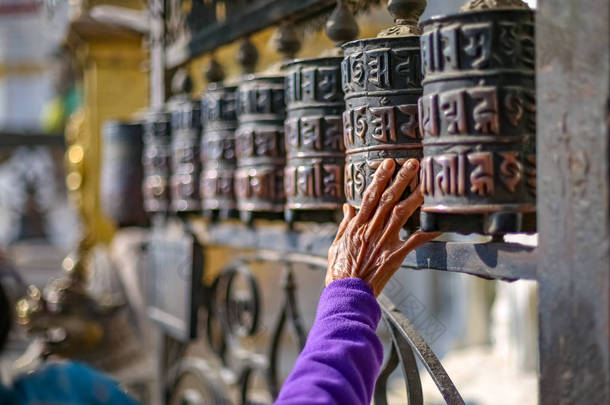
<point x="360" y="122"/>
<point x="311" y="132"/>
<point x="355" y="182"/>
<point x="453" y="106"/>
<point x="410" y="127"/>
<point x="451" y="177"/>
<point x="378" y="61"/>
<point x="450" y="174"/>
<point x="428" y="115"/>
<point x="332" y="181"/>
<point x="477" y="43"/>
<point x="482" y="177"/>
<point x="329" y="84"/>
<point x="457" y="47"/>
<point x="348" y="129"/>
<point x="315" y="133"/>
<point x="485" y="112"/>
<point x="408" y="66"/>
<point x="476" y="107"/>
<point x="384" y="125"/>
<point x="333" y="139"/>
<point x="511" y="170"/>
<point x="450" y="47"/>
<point x="308" y="84"/>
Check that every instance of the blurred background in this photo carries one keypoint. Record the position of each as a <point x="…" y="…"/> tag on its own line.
<point x="61" y="79"/>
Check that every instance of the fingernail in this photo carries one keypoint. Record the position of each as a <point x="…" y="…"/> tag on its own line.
<point x="412" y="164"/>
<point x="388" y="164"/>
<point x="344" y="209"/>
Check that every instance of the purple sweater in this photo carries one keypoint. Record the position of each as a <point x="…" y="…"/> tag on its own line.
<point x="342" y="357"/>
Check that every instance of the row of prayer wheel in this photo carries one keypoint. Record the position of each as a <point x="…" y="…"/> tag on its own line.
<point x="457" y="93"/>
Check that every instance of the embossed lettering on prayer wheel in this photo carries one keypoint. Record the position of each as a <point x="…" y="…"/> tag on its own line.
<point x="186" y="166"/>
<point x="478" y="124"/>
<point x="313" y="178"/>
<point x="121" y="178"/>
<point x="156" y="162"/>
<point x="259" y="142"/>
<point x="382" y="83"/>
<point x="218" y="148"/>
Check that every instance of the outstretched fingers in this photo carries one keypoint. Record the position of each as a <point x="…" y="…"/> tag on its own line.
<point x="403" y="211"/>
<point x="389" y="198"/>
<point x="374" y="190"/>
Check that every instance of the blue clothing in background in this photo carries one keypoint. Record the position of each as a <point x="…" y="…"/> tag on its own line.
<point x="338" y="366"/>
<point x="64" y="384"/>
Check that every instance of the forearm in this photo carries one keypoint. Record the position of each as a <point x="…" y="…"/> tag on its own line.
<point x="342" y="356"/>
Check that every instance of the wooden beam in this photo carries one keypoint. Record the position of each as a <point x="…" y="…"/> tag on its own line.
<point x="253" y="18"/>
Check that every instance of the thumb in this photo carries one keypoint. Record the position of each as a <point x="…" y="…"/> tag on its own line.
<point x="416" y="240"/>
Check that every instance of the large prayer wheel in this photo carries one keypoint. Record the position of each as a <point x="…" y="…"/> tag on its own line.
<point x="382" y="84"/>
<point x="478" y="120"/>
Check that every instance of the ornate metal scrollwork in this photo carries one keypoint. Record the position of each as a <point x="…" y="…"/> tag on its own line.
<point x="400" y="354"/>
<point x="405" y="342"/>
<point x="237" y="311"/>
<point x="290" y="313"/>
<point x="195" y="384"/>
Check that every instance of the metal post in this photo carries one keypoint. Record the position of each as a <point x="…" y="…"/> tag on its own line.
<point x="573" y="40"/>
<point x="157" y="53"/>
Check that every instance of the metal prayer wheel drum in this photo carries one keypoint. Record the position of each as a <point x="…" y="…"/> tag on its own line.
<point x="382" y="83"/>
<point x="259" y="141"/>
<point x="218" y="150"/>
<point x="186" y="165"/>
<point x="156" y="162"/>
<point x="313" y="177"/>
<point x="121" y="177"/>
<point x="478" y="122"/>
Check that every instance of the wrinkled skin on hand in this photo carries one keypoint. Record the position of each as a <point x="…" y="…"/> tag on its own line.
<point x="367" y="245"/>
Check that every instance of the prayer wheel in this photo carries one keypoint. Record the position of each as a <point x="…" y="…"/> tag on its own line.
<point x="259" y="138"/>
<point x="218" y="150"/>
<point x="313" y="177"/>
<point x="315" y="153"/>
<point x="478" y="120"/>
<point x="382" y="83"/>
<point x="121" y="174"/>
<point x="259" y="142"/>
<point x="186" y="139"/>
<point x="156" y="162"/>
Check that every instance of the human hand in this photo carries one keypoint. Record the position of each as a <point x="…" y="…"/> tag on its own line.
<point x="367" y="245"/>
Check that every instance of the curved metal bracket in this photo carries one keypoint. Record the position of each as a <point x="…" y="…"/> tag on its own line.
<point x="401" y="326"/>
<point x="400" y="353"/>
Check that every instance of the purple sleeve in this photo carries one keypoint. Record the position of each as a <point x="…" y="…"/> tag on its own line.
<point x="343" y="355"/>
